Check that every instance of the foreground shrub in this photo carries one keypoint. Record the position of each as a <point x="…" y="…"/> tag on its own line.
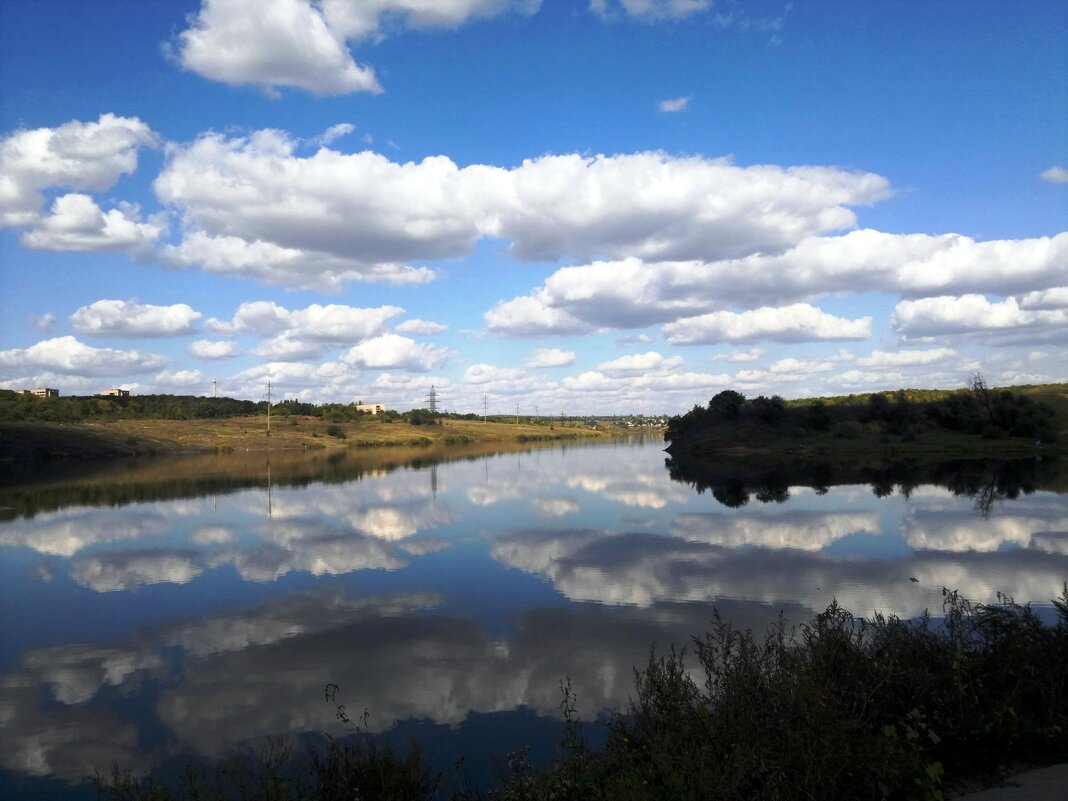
<point x="840" y="709"/>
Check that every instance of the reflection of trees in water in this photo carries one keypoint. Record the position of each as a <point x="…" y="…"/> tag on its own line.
<point x="163" y="478"/>
<point x="734" y="482"/>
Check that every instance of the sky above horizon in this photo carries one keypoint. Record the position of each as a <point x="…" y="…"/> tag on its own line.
<point x="610" y="206"/>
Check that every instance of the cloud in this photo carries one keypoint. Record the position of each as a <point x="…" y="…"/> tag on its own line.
<point x="974" y="314"/>
<point x="809" y="531"/>
<point x="658" y="207"/>
<point x="132" y="569"/>
<point x="487" y="373"/>
<point x="422" y="327"/>
<point x="797" y="323"/>
<point x="632" y="339"/>
<point x="67" y="532"/>
<point x="44" y="322"/>
<point x="642" y="380"/>
<point x="1055" y="175"/>
<point x="207" y="349"/>
<point x="330" y="379"/>
<point x="88" y="156"/>
<point x="906" y="358"/>
<point x="260" y="317"/>
<point x="751" y="355"/>
<point x="180" y="378"/>
<point x="1046" y="300"/>
<point x="673" y="106"/>
<point x="644" y="569"/>
<point x="550" y="357"/>
<point x="390" y="351"/>
<point x="333" y="133"/>
<point x="946" y="528"/>
<point x="303" y="45"/>
<point x="284" y="44"/>
<point x="252" y="206"/>
<point x="77" y="224"/>
<point x="267" y="262"/>
<point x="632" y="293"/>
<point x="69" y="356"/>
<point x="308" y="546"/>
<point x="641" y="363"/>
<point x="651" y="10"/>
<point x="531" y="317"/>
<point x="130" y="319"/>
<point x="304" y="333"/>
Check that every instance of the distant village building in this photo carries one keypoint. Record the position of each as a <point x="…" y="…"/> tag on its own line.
<point x="40" y="392"/>
<point x="372" y="408"/>
<point x="115" y="392"/>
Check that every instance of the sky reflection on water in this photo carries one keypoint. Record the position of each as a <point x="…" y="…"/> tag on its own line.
<point x="186" y="623"/>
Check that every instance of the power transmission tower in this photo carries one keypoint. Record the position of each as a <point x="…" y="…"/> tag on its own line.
<point x="485" y="405"/>
<point x="517" y="413"/>
<point x="214" y="388"/>
<point x="432" y="399"/>
<point x="268" y="407"/>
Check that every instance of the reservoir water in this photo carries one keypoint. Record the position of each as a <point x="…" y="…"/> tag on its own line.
<point x="157" y="611"/>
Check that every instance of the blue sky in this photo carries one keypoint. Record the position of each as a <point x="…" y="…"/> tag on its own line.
<point x="617" y="206"/>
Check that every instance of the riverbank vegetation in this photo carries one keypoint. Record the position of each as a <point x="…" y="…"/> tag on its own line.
<point x="840" y="708"/>
<point x="36" y="429"/>
<point x="977" y="420"/>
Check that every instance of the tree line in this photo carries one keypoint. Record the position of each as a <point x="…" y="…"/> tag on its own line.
<point x="979" y="410"/>
<point x="18" y="407"/>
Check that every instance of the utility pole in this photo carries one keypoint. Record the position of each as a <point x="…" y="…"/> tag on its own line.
<point x="268" y="408"/>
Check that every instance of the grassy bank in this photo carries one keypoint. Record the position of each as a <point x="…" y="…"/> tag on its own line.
<point x="41" y="440"/>
<point x="839" y="709"/>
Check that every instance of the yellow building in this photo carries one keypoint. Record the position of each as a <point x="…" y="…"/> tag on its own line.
<point x="373" y="408"/>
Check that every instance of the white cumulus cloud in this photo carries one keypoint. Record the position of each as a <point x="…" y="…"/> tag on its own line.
<point x="799" y="322"/>
<point x="69" y="356"/>
<point x="88" y="156"/>
<point x="632" y="293"/>
<point x="208" y="349"/>
<point x="304" y="333"/>
<point x="301" y="44"/>
<point x="77" y="223"/>
<point x="551" y="357"/>
<point x="391" y="351"/>
<point x="252" y="206"/>
<point x="975" y="314"/>
<point x="420" y="327"/>
<point x="131" y="319"/>
<point x="280" y="43"/>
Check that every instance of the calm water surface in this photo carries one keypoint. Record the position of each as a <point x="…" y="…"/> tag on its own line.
<point x="175" y="608"/>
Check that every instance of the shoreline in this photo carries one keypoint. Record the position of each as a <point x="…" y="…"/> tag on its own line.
<point x="33" y="442"/>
